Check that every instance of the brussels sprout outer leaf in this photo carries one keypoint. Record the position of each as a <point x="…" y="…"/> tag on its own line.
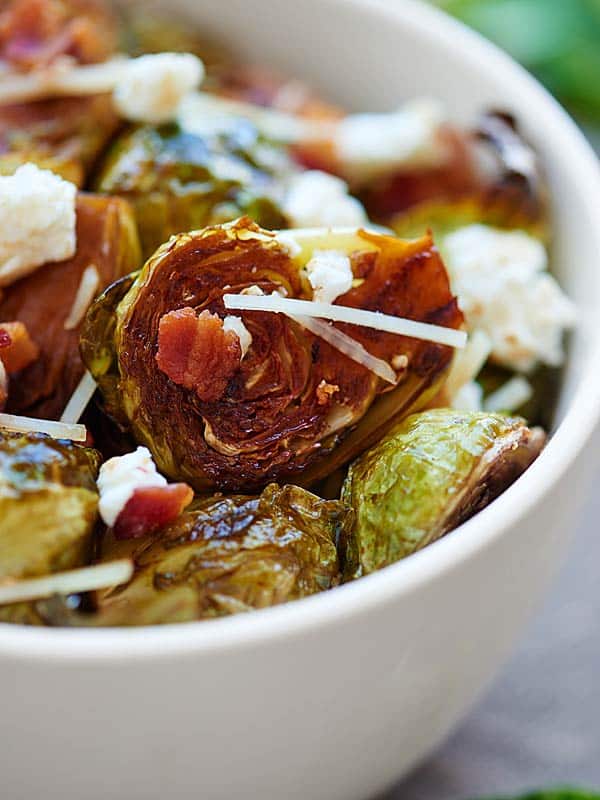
<point x="97" y="345"/>
<point x="223" y="556"/>
<point x="434" y="471"/>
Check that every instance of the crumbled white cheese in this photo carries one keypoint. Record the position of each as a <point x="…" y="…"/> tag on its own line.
<point x="330" y="275"/>
<point x="510" y="396"/>
<point x="119" y="478"/>
<point x="235" y="324"/>
<point x="469" y="397"/>
<point x="153" y="86"/>
<point x="315" y="198"/>
<point x="37" y="221"/>
<point x="370" y="145"/>
<point x="503" y="288"/>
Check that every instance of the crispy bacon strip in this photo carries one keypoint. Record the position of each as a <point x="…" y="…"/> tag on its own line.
<point x="34" y="33"/>
<point x="151" y="508"/>
<point x="197" y="353"/>
<point x="17" y="348"/>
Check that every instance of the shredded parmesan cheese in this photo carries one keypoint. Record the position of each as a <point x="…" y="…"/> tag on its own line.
<point x="79" y="399"/>
<point x="467" y="363"/>
<point x="58" y="430"/>
<point x="510" y="396"/>
<point x="207" y="114"/>
<point x="88" y="286"/>
<point x="86" y="579"/>
<point x="62" y="79"/>
<point x="348" y="346"/>
<point x="352" y="316"/>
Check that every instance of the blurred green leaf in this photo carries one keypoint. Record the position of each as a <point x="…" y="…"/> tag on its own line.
<point x="558" y="40"/>
<point x="555" y="794"/>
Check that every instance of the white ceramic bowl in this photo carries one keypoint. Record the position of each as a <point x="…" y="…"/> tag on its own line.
<point x="337" y="695"/>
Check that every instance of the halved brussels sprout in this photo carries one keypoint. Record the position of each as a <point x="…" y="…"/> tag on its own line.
<point x="48" y="503"/>
<point x="222" y="556"/>
<point x="293" y="407"/>
<point x="66" y="135"/>
<point x="179" y="181"/>
<point x="434" y="471"/>
<point x="498" y="208"/>
<point x="106" y="239"/>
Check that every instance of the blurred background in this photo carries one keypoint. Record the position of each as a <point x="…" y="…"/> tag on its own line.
<point x="539" y="726"/>
<point x="557" y="40"/>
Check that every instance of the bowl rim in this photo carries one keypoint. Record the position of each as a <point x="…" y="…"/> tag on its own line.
<point x="361" y="597"/>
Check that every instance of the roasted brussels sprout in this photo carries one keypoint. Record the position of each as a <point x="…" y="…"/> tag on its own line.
<point x="433" y="472"/>
<point x="224" y="556"/>
<point x="43" y="301"/>
<point x="498" y="208"/>
<point x="293" y="407"/>
<point x="65" y="135"/>
<point x="179" y="181"/>
<point x="48" y="504"/>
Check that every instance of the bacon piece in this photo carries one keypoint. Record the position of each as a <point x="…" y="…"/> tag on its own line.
<point x="17" y="349"/>
<point x="33" y="33"/>
<point x="150" y="508"/>
<point x="197" y="353"/>
<point x="3" y="387"/>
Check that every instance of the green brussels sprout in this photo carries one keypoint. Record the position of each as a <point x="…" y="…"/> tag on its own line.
<point x="222" y="556"/>
<point x="179" y="181"/>
<point x="294" y="408"/>
<point x="495" y="208"/>
<point x="434" y="471"/>
<point x="48" y="503"/>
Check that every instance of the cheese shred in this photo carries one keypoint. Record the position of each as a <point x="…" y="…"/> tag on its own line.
<point x="86" y="579"/>
<point x="88" y="287"/>
<point x="58" y="430"/>
<point x="353" y="316"/>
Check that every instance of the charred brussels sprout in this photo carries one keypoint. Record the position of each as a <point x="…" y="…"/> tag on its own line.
<point x="497" y="208"/>
<point x="224" y="556"/>
<point x="436" y="470"/>
<point x="293" y="407"/>
<point x="179" y="181"/>
<point x="107" y="240"/>
<point x="48" y="503"/>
